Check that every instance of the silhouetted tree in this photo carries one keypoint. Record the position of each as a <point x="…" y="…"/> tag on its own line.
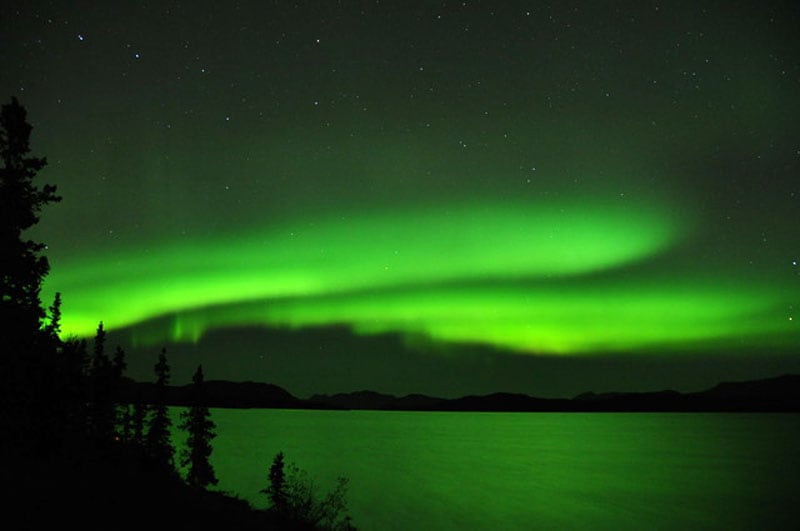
<point x="293" y="495"/>
<point x="54" y="326"/>
<point x="197" y="422"/>
<point x="159" y="444"/>
<point x="99" y="359"/>
<point x="27" y="365"/>
<point x="22" y="269"/>
<point x="275" y="491"/>
<point x="102" y="379"/>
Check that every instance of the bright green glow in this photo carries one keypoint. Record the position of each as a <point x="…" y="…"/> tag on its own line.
<point x="363" y="251"/>
<point x="529" y="278"/>
<point x="572" y="317"/>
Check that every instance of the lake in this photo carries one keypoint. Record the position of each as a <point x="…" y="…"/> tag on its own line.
<point x="431" y="470"/>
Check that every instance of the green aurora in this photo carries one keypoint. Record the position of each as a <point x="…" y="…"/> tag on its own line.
<point x="512" y="276"/>
<point x="543" y="197"/>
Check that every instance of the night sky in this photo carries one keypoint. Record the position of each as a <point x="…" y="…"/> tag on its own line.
<point x="444" y="198"/>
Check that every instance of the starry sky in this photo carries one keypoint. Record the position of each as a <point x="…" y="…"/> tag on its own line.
<point x="443" y="198"/>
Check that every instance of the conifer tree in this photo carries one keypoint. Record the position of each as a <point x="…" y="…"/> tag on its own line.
<point x="54" y="326"/>
<point x="27" y="366"/>
<point x="99" y="360"/>
<point x="102" y="410"/>
<point x="293" y="495"/>
<point x="197" y="422"/>
<point x="276" y="490"/>
<point x="158" y="442"/>
<point x="22" y="268"/>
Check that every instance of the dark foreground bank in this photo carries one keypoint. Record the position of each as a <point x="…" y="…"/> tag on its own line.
<point x="117" y="487"/>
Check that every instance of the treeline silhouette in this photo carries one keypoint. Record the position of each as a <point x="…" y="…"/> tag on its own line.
<point x="76" y="452"/>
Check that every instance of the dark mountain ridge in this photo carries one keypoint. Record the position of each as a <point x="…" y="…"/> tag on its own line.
<point x="777" y="394"/>
<point x="216" y="393"/>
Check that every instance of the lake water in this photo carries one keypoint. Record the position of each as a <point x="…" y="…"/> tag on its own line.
<point x="442" y="471"/>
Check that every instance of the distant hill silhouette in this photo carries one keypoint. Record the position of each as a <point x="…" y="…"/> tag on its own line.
<point x="778" y="394"/>
<point x="781" y="393"/>
<point x="217" y="393"/>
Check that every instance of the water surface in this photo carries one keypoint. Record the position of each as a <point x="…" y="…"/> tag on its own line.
<point x="419" y="470"/>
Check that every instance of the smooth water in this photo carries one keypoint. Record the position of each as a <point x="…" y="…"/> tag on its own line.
<point x="418" y="470"/>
